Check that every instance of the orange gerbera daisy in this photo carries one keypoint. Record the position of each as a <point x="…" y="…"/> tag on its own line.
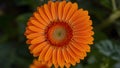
<point x="59" y="33"/>
<point x="37" y="64"/>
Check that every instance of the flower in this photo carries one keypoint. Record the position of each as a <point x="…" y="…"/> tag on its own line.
<point x="37" y="64"/>
<point x="59" y="34"/>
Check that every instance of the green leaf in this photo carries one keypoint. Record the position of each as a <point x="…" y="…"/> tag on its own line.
<point x="117" y="65"/>
<point x="110" y="49"/>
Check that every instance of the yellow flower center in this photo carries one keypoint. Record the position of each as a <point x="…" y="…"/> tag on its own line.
<point x="59" y="33"/>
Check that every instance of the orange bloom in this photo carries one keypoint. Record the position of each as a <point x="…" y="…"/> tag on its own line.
<point x="59" y="33"/>
<point x="37" y="64"/>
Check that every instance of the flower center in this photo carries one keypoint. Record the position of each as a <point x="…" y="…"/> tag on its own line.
<point x="59" y="33"/>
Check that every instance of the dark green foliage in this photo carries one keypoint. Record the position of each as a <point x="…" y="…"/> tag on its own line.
<point x="105" y="52"/>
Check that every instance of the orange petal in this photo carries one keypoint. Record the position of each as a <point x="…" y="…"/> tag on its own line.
<point x="60" y="57"/>
<point x="56" y="8"/>
<point x="42" y="14"/>
<point x="73" y="62"/>
<point x="73" y="55"/>
<point x="66" y="10"/>
<point x="43" y="53"/>
<point x="86" y="47"/>
<point x="84" y="24"/>
<point x="37" y="23"/>
<point x="81" y="20"/>
<point x="29" y="23"/>
<point x="28" y="31"/>
<point x="85" y="13"/>
<point x="76" y="45"/>
<point x="77" y="52"/>
<point x="82" y="47"/>
<point x="86" y="40"/>
<point x="53" y="11"/>
<point x="49" y="3"/>
<point x="71" y="11"/>
<point x="39" y="18"/>
<point x="38" y="40"/>
<point x="28" y="41"/>
<point x="54" y="58"/>
<point x="31" y="47"/>
<point x="67" y="65"/>
<point x="83" y="33"/>
<point x="65" y="55"/>
<point x="32" y="66"/>
<point x="38" y="48"/>
<point x="75" y="15"/>
<point x="60" y="9"/>
<point x="49" y="63"/>
<point x="49" y="53"/>
<point x="48" y="12"/>
<point x="33" y="35"/>
<point x="84" y="29"/>
<point x="35" y="29"/>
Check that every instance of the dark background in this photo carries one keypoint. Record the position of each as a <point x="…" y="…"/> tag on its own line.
<point x="105" y="52"/>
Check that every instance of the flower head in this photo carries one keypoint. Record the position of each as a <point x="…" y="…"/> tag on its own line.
<point x="37" y="64"/>
<point x="59" y="33"/>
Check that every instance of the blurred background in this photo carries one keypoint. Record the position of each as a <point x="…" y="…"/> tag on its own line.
<point x="105" y="52"/>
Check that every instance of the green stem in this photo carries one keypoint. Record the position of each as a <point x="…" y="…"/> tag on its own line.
<point x="114" y="16"/>
<point x="114" y="5"/>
